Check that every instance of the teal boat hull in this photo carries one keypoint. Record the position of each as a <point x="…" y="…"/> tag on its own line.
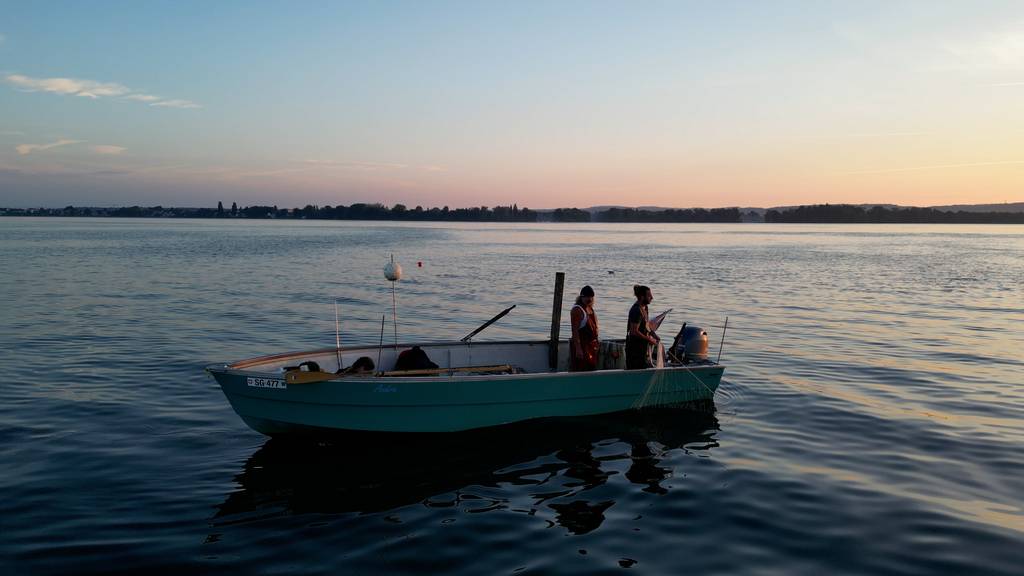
<point x="271" y="406"/>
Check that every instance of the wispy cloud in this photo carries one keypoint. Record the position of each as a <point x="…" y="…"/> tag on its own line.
<point x="995" y="52"/>
<point x="11" y="133"/>
<point x="937" y="166"/>
<point x="142" y="97"/>
<point x="93" y="89"/>
<point x="25" y="149"/>
<point x="2" y="38"/>
<point x="59" y="169"/>
<point x="885" y="134"/>
<point x="370" y="166"/>
<point x="234" y="174"/>
<point x="358" y="165"/>
<point x="108" y="149"/>
<point x="68" y="86"/>
<point x="1006" y="84"/>
<point x="176" y="104"/>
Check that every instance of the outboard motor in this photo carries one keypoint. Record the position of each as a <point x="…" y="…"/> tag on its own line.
<point x="691" y="345"/>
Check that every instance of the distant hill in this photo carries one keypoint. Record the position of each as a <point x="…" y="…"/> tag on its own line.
<point x="850" y="214"/>
<point x="755" y="214"/>
<point x="1005" y="207"/>
<point x="596" y="209"/>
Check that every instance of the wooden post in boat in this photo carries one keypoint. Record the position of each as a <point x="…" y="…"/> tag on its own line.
<point x="556" y="320"/>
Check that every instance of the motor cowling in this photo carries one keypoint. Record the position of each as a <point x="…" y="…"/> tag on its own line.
<point x="691" y="344"/>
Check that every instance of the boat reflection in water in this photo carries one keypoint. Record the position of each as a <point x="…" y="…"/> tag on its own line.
<point x="524" y="467"/>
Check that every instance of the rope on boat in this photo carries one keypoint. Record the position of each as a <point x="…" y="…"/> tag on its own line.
<point x="659" y="385"/>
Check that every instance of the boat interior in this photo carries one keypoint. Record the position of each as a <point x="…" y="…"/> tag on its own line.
<point x="449" y="357"/>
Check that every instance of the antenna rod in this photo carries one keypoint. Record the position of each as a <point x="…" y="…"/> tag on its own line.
<point x="337" y="334"/>
<point x="499" y="316"/>
<point x="381" y="345"/>
<point x="722" y="343"/>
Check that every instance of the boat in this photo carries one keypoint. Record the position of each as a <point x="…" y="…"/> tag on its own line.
<point x="457" y="386"/>
<point x="475" y="385"/>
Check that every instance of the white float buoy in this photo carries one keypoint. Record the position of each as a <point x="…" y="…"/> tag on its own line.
<point x="393" y="270"/>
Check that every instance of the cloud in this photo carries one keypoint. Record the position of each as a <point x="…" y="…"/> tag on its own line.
<point x="247" y="174"/>
<point x="1007" y="84"/>
<point x="2" y="38"/>
<point x="935" y="166"/>
<point x="357" y="164"/>
<point x="995" y="52"/>
<point x="25" y="149"/>
<point x="68" y="86"/>
<point x="108" y="149"/>
<point x="176" y="104"/>
<point x="93" y="89"/>
<point x="886" y="134"/>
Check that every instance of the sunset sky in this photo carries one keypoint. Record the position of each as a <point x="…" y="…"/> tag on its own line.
<point x="545" y="104"/>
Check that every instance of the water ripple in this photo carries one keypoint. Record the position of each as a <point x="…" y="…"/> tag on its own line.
<point x="869" y="422"/>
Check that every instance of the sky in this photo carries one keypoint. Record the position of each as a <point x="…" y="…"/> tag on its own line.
<point x="543" y="104"/>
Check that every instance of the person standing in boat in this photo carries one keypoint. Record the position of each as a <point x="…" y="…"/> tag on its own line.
<point x="639" y="336"/>
<point x="584" y="343"/>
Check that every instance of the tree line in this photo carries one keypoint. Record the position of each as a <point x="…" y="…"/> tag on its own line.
<point x="851" y="214"/>
<point x="360" y="211"/>
<point x="811" y="214"/>
<point x="377" y="211"/>
<point x="670" y="215"/>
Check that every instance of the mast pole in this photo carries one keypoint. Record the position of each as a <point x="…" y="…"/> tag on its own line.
<point x="556" y="320"/>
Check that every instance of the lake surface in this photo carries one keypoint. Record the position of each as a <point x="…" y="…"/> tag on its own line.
<point x="871" y="418"/>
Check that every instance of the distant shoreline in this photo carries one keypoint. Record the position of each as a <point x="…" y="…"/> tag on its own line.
<point x="807" y="214"/>
<point x="398" y="212"/>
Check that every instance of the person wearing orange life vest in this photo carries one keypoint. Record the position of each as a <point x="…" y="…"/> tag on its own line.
<point x="584" y="344"/>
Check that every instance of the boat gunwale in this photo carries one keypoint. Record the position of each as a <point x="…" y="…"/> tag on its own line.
<point x="375" y="379"/>
<point x="246" y="362"/>
<point x="244" y="367"/>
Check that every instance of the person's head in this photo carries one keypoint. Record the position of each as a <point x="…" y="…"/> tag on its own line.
<point x="586" y="297"/>
<point x="643" y="294"/>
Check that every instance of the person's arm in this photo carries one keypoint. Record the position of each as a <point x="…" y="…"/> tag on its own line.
<point x="634" y="330"/>
<point x="652" y="331"/>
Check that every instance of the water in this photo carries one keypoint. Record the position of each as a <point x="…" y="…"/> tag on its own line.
<point x="870" y="420"/>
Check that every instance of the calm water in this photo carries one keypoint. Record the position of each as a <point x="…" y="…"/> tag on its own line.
<point x="871" y="420"/>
